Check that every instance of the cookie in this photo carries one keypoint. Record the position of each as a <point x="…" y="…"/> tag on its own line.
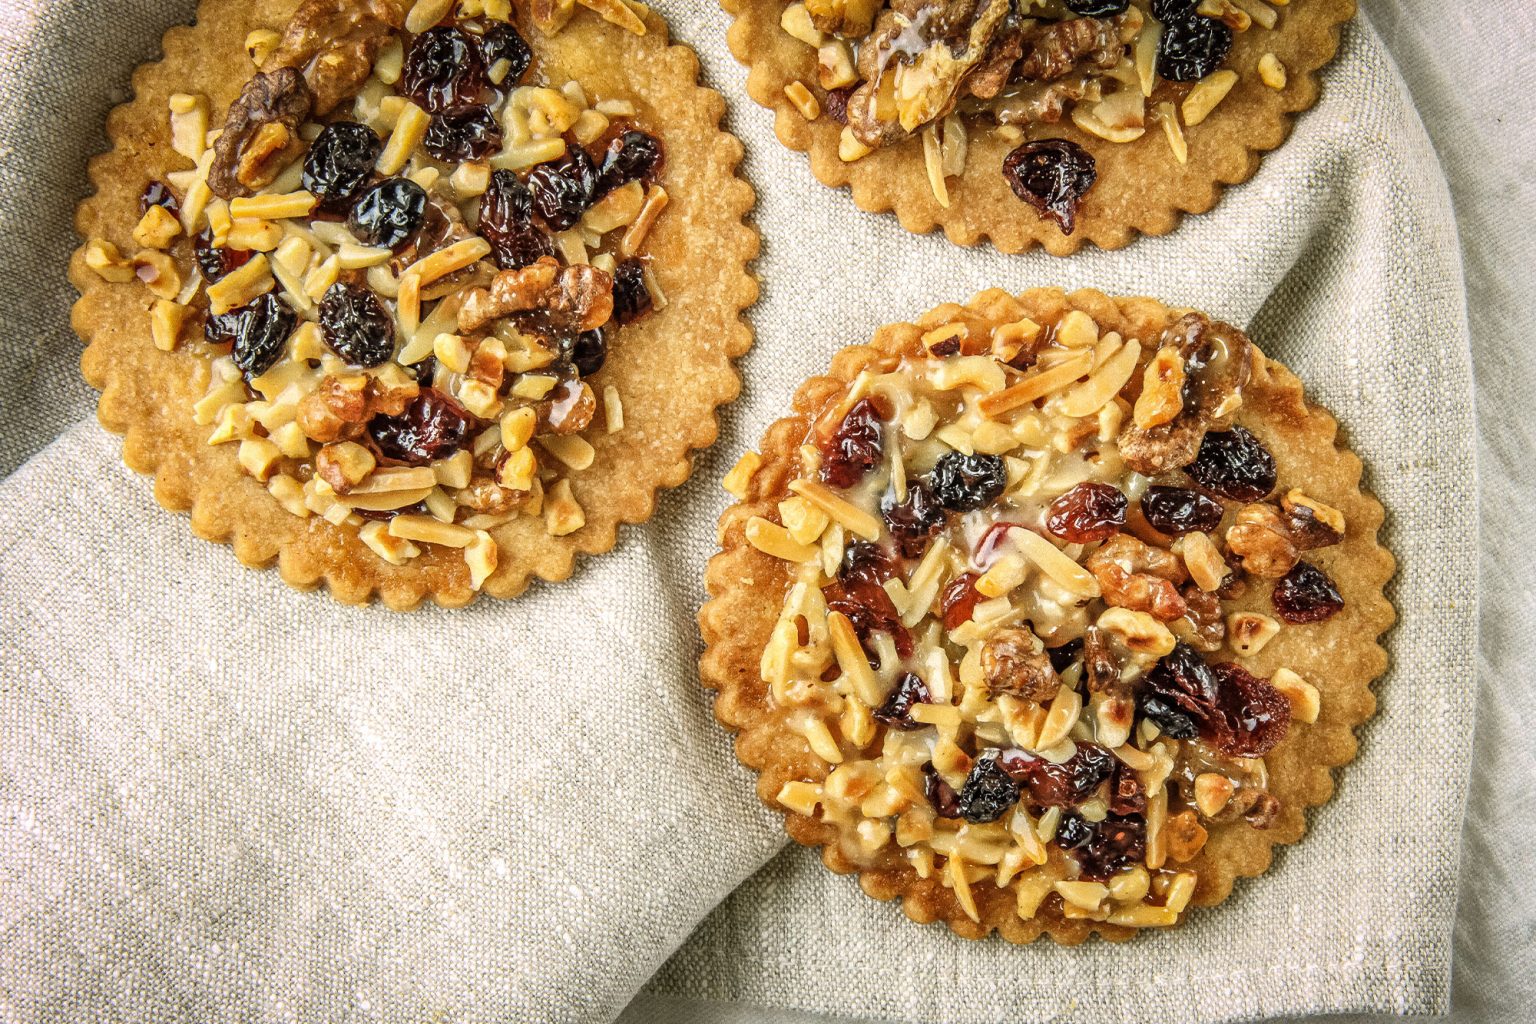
<point x="443" y="299"/>
<point x="1047" y="122"/>
<point x="1048" y="614"/>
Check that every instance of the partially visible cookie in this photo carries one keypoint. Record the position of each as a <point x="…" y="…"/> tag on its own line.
<point x="1048" y="614"/>
<point x="444" y="298"/>
<point x="1041" y="122"/>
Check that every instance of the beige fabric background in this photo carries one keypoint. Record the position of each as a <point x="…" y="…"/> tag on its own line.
<point x="220" y="800"/>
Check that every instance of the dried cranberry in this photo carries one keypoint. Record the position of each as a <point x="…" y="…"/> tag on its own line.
<point x="1234" y="464"/>
<point x="988" y="791"/>
<point x="913" y="520"/>
<point x="1127" y="795"/>
<point x="1166" y="716"/>
<point x="866" y="562"/>
<point x="216" y="261"/>
<point x="564" y="188"/>
<point x="1255" y="715"/>
<point x="897" y="709"/>
<point x="855" y="447"/>
<point x="858" y="594"/>
<point x="432" y="427"/>
<point x="1181" y="682"/>
<point x="158" y="193"/>
<point x="1104" y="848"/>
<point x="443" y="69"/>
<point x="631" y="298"/>
<point x="1052" y="175"/>
<point x="389" y="213"/>
<point x="1179" y="510"/>
<point x="340" y="162"/>
<point x="633" y="155"/>
<point x="587" y="352"/>
<point x="258" y="332"/>
<point x="502" y="42"/>
<point x="964" y="483"/>
<point x="1192" y="46"/>
<point x="462" y="133"/>
<point x="959" y="600"/>
<point x="356" y="325"/>
<point x="946" y="803"/>
<point x="1306" y="594"/>
<point x="1047" y="784"/>
<point x="1088" y="512"/>
<point x="996" y="535"/>
<point x="1097" y="8"/>
<point x="506" y="221"/>
<point x="1062" y="657"/>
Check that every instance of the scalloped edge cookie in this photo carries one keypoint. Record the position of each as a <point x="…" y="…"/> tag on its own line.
<point x="703" y="248"/>
<point x="1135" y="194"/>
<point x="1342" y="656"/>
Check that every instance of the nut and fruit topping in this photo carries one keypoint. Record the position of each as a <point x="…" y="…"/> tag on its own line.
<point x="890" y="70"/>
<point x="415" y="244"/>
<point x="1008" y="629"/>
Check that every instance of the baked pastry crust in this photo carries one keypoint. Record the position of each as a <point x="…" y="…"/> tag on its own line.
<point x="1340" y="656"/>
<point x="1141" y="189"/>
<point x="702" y="249"/>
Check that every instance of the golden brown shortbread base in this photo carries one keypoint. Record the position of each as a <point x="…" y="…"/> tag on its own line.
<point x="1141" y="188"/>
<point x="1341" y="656"/>
<point x="673" y="369"/>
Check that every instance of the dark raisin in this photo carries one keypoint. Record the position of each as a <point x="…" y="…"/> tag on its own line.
<point x="389" y="213"/>
<point x="426" y="370"/>
<point x="1062" y="657"/>
<point x="631" y="298"/>
<point x="443" y="69"/>
<point x="858" y="594"/>
<point x="855" y="447"/>
<point x="158" y="193"/>
<point x="215" y="261"/>
<point x="1088" y="512"/>
<point x="340" y="162"/>
<point x="257" y="333"/>
<point x="1192" y="46"/>
<point x="356" y="325"/>
<point x="462" y="133"/>
<point x="1047" y="784"/>
<point x="1234" y="464"/>
<point x="506" y="221"/>
<point x="1184" y="683"/>
<point x="1176" y="511"/>
<point x="989" y="790"/>
<point x="959" y="600"/>
<point x="1256" y="716"/>
<point x="913" y="520"/>
<point x="866" y="562"/>
<point x="1101" y="665"/>
<point x="587" y="351"/>
<point x="1113" y="844"/>
<point x="433" y="426"/>
<point x="1127" y="795"/>
<point x="897" y="709"/>
<point x="1052" y="175"/>
<point x="501" y="41"/>
<point x="945" y="801"/>
<point x="964" y="483"/>
<point x="1072" y="831"/>
<point x="1097" y="8"/>
<point x="1167" y="717"/>
<point x="836" y="104"/>
<point x="563" y="189"/>
<point x="633" y="155"/>
<point x="1306" y="594"/>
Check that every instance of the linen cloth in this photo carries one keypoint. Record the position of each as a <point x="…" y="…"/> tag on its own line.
<point x="221" y="800"/>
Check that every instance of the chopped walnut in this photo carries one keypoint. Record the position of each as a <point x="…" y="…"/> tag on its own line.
<point x="1014" y="662"/>
<point x="486" y="496"/>
<point x="1202" y="626"/>
<point x="1101" y="667"/>
<point x="1135" y="575"/>
<point x="578" y="297"/>
<point x="1260" y="538"/>
<point x="261" y="133"/>
<point x="1216" y="364"/>
<point x="1311" y="523"/>
<point x="334" y="43"/>
<point x="569" y="408"/>
<point x="1057" y="48"/>
<point x="1185" y="835"/>
<point x="843" y="17"/>
<point x="340" y="406"/>
<point x="1256" y="806"/>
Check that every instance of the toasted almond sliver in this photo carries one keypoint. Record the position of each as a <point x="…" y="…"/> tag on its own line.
<point x="850" y="658"/>
<point x="1093" y="394"/>
<point x="428" y="530"/>
<point x="396" y="479"/>
<point x="445" y="261"/>
<point x="1055" y="564"/>
<point x="772" y="539"/>
<point x="850" y="516"/>
<point x="1035" y="386"/>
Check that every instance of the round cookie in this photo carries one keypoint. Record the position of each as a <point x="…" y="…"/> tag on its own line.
<point x="522" y="419"/>
<point x="1048" y="613"/>
<point x="969" y="83"/>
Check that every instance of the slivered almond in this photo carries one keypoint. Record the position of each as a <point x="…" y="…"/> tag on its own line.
<point x="1035" y="386"/>
<point x="851" y="517"/>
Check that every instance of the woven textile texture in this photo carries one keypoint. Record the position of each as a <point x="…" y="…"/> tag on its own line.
<point x="222" y="800"/>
